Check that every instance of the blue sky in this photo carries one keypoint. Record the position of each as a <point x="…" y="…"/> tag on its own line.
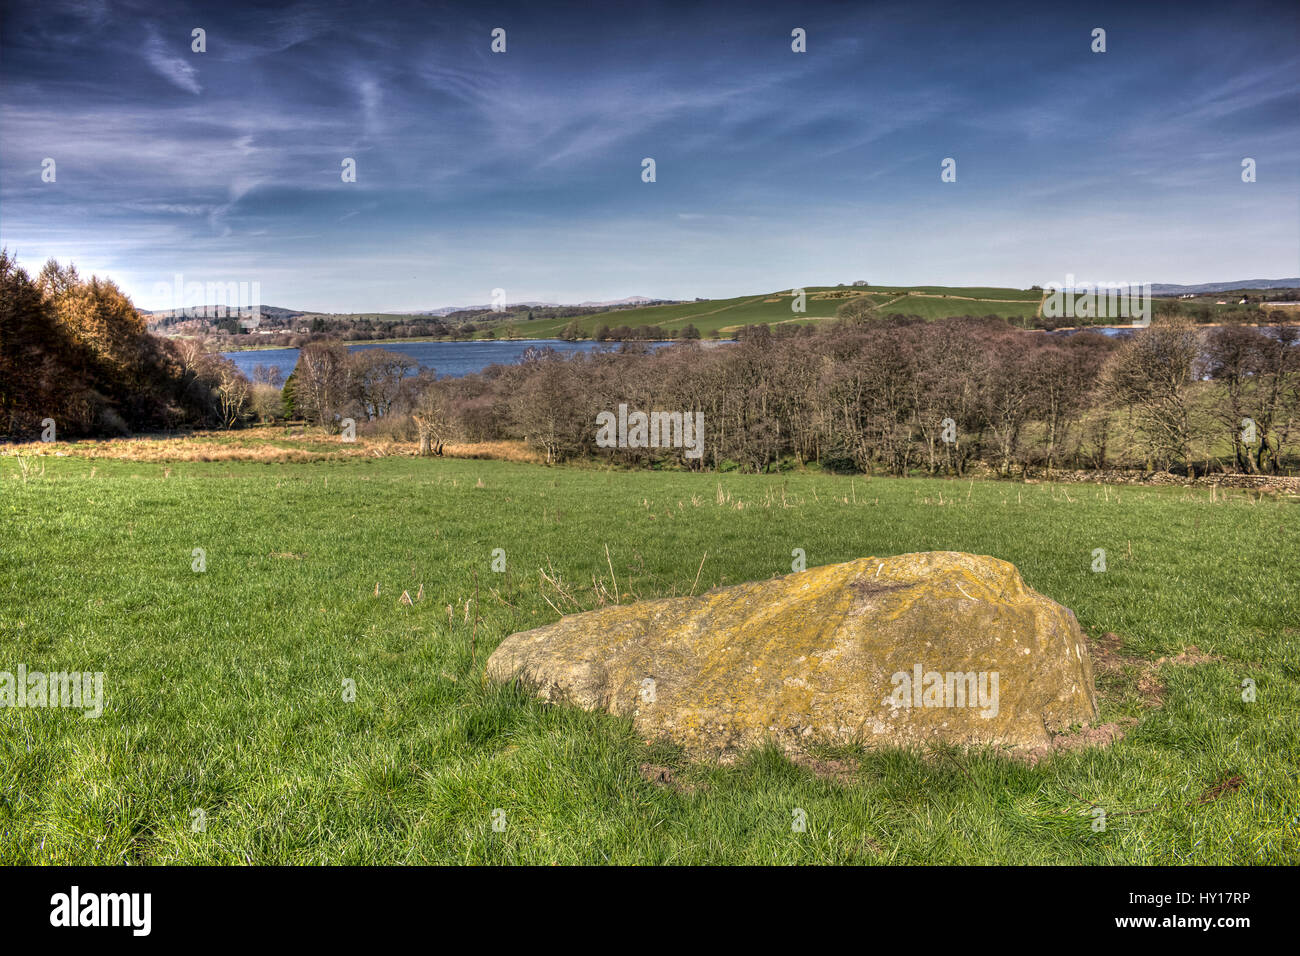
<point x="522" y="170"/>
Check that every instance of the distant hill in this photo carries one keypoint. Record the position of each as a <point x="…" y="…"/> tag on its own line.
<point x="1162" y="288"/>
<point x="820" y="304"/>
<point x="632" y="300"/>
<point x="724" y="316"/>
<point x="268" y="311"/>
<point x="638" y="301"/>
<point x="450" y="309"/>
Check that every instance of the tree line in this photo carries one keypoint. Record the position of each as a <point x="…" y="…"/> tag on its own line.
<point x="896" y="395"/>
<point x="891" y="396"/>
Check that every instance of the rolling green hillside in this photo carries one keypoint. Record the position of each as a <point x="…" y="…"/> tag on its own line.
<point x="726" y="316"/>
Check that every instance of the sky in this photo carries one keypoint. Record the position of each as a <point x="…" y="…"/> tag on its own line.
<point x="523" y="170"/>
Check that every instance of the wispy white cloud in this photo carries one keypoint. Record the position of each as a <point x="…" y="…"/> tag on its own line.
<point x="169" y="65"/>
<point x="523" y="171"/>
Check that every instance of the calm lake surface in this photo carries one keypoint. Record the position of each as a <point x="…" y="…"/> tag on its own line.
<point x="446" y="358"/>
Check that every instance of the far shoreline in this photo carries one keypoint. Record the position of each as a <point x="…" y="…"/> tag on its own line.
<point x="611" y="342"/>
<point x="704" y="342"/>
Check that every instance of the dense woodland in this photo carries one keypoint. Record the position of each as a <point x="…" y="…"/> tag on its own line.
<point x="892" y="395"/>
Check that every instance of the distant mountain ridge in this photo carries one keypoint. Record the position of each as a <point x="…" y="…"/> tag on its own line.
<point x="445" y="310"/>
<point x="1162" y="288"/>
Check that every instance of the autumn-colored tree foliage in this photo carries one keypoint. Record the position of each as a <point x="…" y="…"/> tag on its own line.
<point x="77" y="352"/>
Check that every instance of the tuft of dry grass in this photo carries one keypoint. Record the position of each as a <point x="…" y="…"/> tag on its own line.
<point x="267" y="443"/>
<point x="496" y="450"/>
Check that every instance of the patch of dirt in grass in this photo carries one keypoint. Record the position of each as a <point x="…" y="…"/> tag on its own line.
<point x="842" y="772"/>
<point x="1116" y="671"/>
<point x="666" y="777"/>
<point x="1191" y="655"/>
<point x="1102" y="735"/>
<point x="1119" y="677"/>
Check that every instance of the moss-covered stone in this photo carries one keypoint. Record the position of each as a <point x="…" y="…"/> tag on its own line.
<point x="936" y="646"/>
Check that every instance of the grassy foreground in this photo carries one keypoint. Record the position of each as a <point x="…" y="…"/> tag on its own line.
<point x="224" y="688"/>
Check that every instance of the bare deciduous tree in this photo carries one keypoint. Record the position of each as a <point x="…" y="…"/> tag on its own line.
<point x="1151" y="373"/>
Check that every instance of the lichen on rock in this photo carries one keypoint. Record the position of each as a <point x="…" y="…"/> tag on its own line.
<point x="936" y="646"/>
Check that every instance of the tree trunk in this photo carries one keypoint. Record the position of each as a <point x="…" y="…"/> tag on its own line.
<point x="425" y="449"/>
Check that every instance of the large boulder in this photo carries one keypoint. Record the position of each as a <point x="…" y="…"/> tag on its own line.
<point x="936" y="646"/>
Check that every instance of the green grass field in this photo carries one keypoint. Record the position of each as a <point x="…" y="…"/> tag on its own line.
<point x="224" y="689"/>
